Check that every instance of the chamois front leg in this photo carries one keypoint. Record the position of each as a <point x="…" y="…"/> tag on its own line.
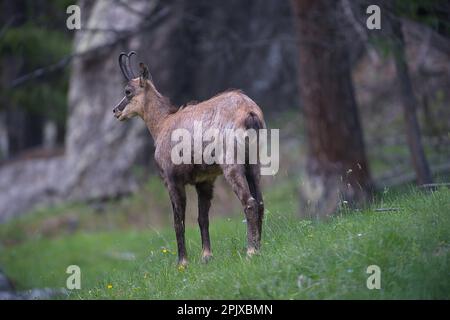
<point x="205" y="194"/>
<point x="177" y="195"/>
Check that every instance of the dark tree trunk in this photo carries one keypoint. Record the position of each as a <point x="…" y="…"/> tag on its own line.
<point x="24" y="130"/>
<point x="337" y="167"/>
<point x="410" y="105"/>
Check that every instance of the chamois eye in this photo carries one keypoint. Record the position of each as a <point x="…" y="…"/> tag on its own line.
<point x="128" y="93"/>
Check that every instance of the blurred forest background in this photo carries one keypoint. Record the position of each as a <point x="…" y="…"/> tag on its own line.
<point x="358" y="110"/>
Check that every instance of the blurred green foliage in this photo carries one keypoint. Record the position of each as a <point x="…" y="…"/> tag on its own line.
<point x="411" y="246"/>
<point x="429" y="12"/>
<point x="39" y="40"/>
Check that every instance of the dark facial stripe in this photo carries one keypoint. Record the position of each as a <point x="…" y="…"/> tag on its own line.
<point x="122" y="104"/>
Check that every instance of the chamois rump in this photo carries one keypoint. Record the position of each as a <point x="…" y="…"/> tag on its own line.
<point x="228" y="110"/>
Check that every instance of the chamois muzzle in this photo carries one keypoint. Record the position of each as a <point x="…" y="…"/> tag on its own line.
<point x="119" y="108"/>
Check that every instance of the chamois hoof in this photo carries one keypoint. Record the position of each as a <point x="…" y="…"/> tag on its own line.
<point x="251" y="252"/>
<point x="182" y="264"/>
<point x="207" y="258"/>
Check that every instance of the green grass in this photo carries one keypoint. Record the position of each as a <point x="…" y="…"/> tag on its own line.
<point x="411" y="246"/>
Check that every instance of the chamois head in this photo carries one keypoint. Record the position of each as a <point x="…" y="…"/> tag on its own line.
<point x="133" y="102"/>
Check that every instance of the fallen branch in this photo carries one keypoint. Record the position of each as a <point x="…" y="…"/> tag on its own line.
<point x="433" y="185"/>
<point x="386" y="209"/>
<point x="395" y="180"/>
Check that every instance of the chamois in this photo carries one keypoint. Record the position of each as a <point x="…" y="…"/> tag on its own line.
<point x="228" y="110"/>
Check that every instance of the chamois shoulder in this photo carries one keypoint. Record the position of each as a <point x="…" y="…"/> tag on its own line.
<point x="233" y="94"/>
<point x="230" y="92"/>
<point x="228" y="98"/>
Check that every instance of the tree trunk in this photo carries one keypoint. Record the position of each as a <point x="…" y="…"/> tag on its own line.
<point x="99" y="152"/>
<point x="410" y="104"/>
<point x="337" y="167"/>
<point x="196" y="51"/>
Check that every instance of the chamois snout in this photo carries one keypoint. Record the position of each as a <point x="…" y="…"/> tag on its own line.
<point x="117" y="111"/>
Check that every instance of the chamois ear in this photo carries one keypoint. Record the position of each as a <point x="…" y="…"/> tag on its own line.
<point x="145" y="74"/>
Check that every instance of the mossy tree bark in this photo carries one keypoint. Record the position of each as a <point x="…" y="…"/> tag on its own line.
<point x="337" y="168"/>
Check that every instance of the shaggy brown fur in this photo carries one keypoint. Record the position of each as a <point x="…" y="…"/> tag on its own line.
<point x="227" y="110"/>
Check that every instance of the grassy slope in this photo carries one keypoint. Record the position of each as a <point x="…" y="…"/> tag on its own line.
<point x="411" y="246"/>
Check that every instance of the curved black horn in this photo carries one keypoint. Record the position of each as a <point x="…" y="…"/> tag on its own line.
<point x="123" y="66"/>
<point x="130" y="69"/>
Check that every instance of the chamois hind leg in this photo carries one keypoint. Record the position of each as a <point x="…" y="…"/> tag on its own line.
<point x="253" y="175"/>
<point x="235" y="176"/>
<point x="177" y="195"/>
<point x="205" y="194"/>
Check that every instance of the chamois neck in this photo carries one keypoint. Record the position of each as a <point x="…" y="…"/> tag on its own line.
<point x="156" y="109"/>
